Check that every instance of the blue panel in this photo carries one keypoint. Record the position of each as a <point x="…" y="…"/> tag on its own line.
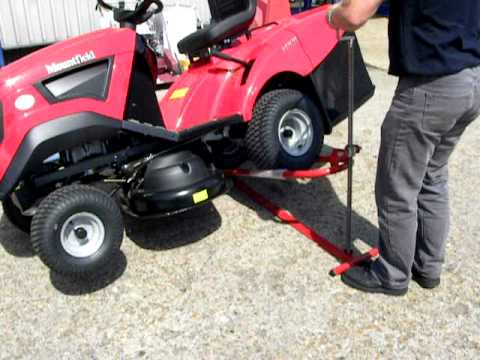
<point x="384" y="9"/>
<point x="2" y="59"/>
<point x="307" y="4"/>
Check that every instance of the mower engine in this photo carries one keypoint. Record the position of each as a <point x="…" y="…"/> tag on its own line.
<point x="174" y="183"/>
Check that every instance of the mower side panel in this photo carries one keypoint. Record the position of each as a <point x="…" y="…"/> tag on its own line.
<point x="309" y="42"/>
<point x="24" y="76"/>
<point x="221" y="88"/>
<point x="201" y="96"/>
<point x="317" y="37"/>
<point x="330" y="65"/>
<point x="218" y="88"/>
<point x="284" y="55"/>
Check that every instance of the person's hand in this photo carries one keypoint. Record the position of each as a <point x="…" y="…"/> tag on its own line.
<point x="351" y="15"/>
<point x="330" y="18"/>
<point x="330" y="15"/>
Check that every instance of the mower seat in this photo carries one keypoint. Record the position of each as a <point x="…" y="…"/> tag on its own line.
<point x="229" y="18"/>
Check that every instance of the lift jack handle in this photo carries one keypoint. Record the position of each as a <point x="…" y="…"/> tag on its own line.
<point x="350" y="146"/>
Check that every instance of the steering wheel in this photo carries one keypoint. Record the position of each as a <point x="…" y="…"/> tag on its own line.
<point x="137" y="16"/>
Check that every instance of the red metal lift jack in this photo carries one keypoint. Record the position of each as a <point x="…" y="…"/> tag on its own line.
<point x="338" y="161"/>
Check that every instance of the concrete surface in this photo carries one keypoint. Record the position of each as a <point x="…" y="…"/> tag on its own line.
<point x="374" y="42"/>
<point x="228" y="282"/>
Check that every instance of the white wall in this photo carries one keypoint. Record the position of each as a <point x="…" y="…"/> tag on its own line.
<point x="37" y="22"/>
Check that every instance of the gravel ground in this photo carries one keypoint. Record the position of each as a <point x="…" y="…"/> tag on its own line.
<point x="228" y="282"/>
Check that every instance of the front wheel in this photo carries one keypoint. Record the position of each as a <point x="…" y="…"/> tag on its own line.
<point x="286" y="131"/>
<point x="77" y="230"/>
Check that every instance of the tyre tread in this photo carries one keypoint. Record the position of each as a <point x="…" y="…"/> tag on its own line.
<point x="57" y="201"/>
<point x="260" y="149"/>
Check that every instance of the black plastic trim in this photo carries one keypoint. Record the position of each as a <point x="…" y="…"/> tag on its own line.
<point x="142" y="103"/>
<point x="223" y="56"/>
<point x="40" y="86"/>
<point x="330" y="80"/>
<point x="53" y="136"/>
<point x="195" y="132"/>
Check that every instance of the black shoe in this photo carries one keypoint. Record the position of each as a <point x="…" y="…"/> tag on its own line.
<point x="425" y="282"/>
<point x="363" y="278"/>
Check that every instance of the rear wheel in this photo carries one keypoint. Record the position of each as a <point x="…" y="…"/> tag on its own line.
<point x="15" y="216"/>
<point x="286" y="131"/>
<point x="77" y="230"/>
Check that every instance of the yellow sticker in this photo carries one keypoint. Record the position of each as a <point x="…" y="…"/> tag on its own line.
<point x="200" y="196"/>
<point x="179" y="94"/>
<point x="184" y="64"/>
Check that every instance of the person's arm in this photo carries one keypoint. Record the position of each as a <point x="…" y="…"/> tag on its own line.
<point x="352" y="14"/>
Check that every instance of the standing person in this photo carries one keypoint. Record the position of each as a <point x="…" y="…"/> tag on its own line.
<point x="435" y="52"/>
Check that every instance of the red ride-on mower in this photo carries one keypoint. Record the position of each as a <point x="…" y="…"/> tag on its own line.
<point x="84" y="112"/>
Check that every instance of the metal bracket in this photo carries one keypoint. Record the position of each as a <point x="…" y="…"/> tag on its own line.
<point x="227" y="57"/>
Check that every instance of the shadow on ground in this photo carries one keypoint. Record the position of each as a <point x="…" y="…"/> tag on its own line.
<point x="14" y="241"/>
<point x="174" y="231"/>
<point x="315" y="203"/>
<point x="17" y="243"/>
<point x="80" y="286"/>
<point x="156" y="234"/>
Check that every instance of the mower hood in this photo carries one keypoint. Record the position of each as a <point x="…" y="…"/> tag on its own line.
<point x="67" y="55"/>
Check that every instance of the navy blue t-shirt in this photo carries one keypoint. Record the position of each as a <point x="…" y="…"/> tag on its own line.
<point x="433" y="37"/>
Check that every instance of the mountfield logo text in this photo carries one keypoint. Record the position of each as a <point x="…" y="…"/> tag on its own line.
<point x="75" y="61"/>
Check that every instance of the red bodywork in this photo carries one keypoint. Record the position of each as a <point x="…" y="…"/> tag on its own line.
<point x="296" y="44"/>
<point x="211" y="90"/>
<point x="19" y="78"/>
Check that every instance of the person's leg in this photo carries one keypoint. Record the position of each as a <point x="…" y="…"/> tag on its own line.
<point x="412" y="140"/>
<point x="402" y="162"/>
<point x="433" y="202"/>
<point x="433" y="225"/>
<point x="403" y="158"/>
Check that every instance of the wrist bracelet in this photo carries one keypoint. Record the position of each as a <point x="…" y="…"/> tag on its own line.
<point x="330" y="16"/>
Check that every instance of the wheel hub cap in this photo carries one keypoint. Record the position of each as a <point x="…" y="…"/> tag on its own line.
<point x="82" y="235"/>
<point x="295" y="132"/>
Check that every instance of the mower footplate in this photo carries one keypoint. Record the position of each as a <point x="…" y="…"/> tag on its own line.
<point x="192" y="133"/>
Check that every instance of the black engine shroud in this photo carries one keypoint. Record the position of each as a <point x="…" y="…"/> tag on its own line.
<point x="176" y="182"/>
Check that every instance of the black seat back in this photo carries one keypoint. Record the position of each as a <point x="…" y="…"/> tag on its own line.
<point x="229" y="18"/>
<point x="222" y="9"/>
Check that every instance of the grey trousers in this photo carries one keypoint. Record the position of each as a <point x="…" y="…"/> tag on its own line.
<point x="425" y="122"/>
